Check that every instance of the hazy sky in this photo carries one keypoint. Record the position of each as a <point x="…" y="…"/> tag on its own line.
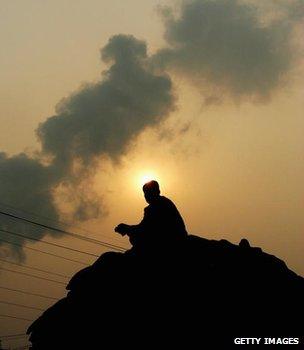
<point x="212" y="107"/>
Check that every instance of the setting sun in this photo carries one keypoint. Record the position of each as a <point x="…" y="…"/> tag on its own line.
<point x="146" y="177"/>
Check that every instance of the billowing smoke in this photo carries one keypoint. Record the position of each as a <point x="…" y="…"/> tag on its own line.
<point x="227" y="47"/>
<point x="98" y="120"/>
<point x="26" y="184"/>
<point x="231" y="47"/>
<point x="102" y="118"/>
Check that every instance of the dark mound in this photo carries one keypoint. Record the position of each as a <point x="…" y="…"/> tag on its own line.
<point x="197" y="291"/>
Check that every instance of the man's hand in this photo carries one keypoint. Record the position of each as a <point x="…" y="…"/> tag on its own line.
<point x="122" y="229"/>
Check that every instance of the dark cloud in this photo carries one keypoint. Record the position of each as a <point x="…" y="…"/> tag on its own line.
<point x="223" y="44"/>
<point x="103" y="117"/>
<point x="98" y="120"/>
<point x="26" y="184"/>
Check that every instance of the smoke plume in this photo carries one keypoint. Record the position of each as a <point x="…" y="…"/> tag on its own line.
<point x="228" y="47"/>
<point x="98" y="120"/>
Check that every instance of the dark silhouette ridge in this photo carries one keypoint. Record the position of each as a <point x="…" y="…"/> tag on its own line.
<point x="198" y="291"/>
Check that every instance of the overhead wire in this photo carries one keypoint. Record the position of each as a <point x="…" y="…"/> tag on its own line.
<point x="21" y="305"/>
<point x="72" y="234"/>
<point x="35" y="268"/>
<point x="13" y="336"/>
<point x="15" y="317"/>
<point x="28" y="293"/>
<point x="56" y="222"/>
<point x="30" y="275"/>
<point x="43" y="252"/>
<point x="46" y="242"/>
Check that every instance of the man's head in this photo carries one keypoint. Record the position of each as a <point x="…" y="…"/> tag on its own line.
<point x="151" y="191"/>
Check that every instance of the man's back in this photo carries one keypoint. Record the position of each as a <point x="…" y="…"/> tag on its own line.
<point x="162" y="220"/>
<point x="162" y="224"/>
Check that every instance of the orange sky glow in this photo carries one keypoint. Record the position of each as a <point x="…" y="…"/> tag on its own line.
<point x="233" y="165"/>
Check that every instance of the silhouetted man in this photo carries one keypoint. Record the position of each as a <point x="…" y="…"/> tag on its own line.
<point x="161" y="224"/>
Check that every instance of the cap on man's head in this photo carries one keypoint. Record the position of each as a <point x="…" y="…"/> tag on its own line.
<point x="151" y="186"/>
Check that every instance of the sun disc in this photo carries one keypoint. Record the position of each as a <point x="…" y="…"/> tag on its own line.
<point x="146" y="177"/>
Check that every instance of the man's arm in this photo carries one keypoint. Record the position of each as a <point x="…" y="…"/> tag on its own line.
<point x="128" y="230"/>
<point x="125" y="229"/>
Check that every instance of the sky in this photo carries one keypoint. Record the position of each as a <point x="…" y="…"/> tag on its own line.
<point x="204" y="96"/>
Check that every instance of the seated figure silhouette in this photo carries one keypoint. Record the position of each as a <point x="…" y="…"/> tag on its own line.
<point x="162" y="223"/>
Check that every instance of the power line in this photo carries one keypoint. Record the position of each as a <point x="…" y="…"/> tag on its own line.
<point x="65" y="223"/>
<point x="49" y="243"/>
<point x="23" y="337"/>
<point x="30" y="275"/>
<point x="38" y="215"/>
<point x="41" y="251"/>
<point x="72" y="234"/>
<point x="17" y="318"/>
<point x="21" y="305"/>
<point x="28" y="293"/>
<point x="34" y="268"/>
<point x="13" y="335"/>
